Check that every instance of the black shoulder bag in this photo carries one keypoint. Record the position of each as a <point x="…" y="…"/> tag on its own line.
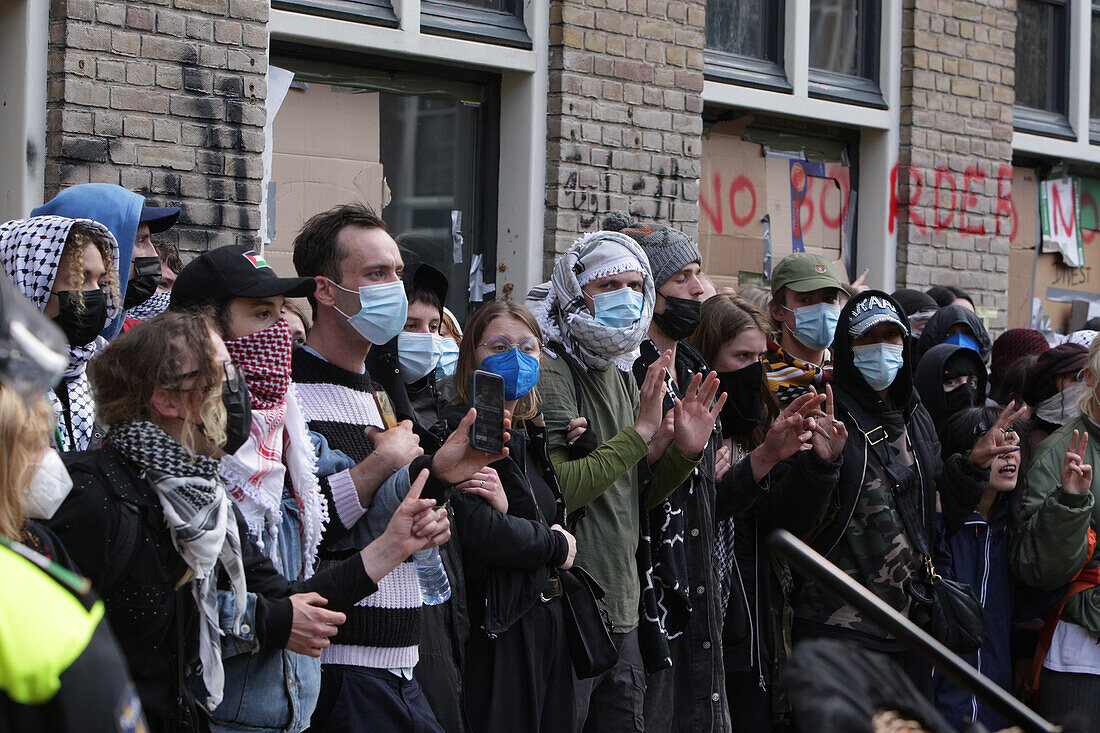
<point x="946" y="609"/>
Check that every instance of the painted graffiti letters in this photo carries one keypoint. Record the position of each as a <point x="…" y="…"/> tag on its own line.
<point x="953" y="202"/>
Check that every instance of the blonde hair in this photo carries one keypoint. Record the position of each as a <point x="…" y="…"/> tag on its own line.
<point x="528" y="406"/>
<point x="25" y="426"/>
<point x="72" y="262"/>
<point x="151" y="357"/>
<point x="1088" y="402"/>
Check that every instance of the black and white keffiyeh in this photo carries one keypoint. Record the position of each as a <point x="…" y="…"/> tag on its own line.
<point x="564" y="316"/>
<point x="30" y="250"/>
<point x="203" y="526"/>
<point x="154" y="306"/>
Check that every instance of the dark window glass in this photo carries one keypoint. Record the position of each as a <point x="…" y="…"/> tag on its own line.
<point x="844" y="37"/>
<point x="1094" y="91"/>
<point x="1041" y="54"/>
<point x="744" y="27"/>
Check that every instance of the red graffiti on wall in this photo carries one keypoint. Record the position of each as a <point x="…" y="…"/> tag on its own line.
<point x="953" y="202"/>
<point x="742" y="204"/>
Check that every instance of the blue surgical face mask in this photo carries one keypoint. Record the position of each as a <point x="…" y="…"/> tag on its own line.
<point x="618" y="309"/>
<point x="814" y="325"/>
<point x="418" y="354"/>
<point x="383" y="310"/>
<point x="520" y="371"/>
<point x="878" y="363"/>
<point x="448" y="358"/>
<point x="961" y="339"/>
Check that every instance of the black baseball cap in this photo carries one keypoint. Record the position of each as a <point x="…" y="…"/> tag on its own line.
<point x="159" y="218"/>
<point x="235" y="271"/>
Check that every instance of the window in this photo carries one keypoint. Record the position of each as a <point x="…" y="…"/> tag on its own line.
<point x="379" y="12"/>
<point x="1094" y="77"/>
<point x="496" y="21"/>
<point x="745" y="42"/>
<point x="844" y="50"/>
<point x="1042" y="67"/>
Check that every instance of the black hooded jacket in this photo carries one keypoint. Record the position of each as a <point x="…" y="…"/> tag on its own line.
<point x="935" y="331"/>
<point x="929" y="377"/>
<point x="959" y="483"/>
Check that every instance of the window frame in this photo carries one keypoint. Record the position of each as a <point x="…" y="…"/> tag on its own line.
<point x="455" y="19"/>
<point x="1046" y="122"/>
<point x="375" y="12"/>
<point x="861" y="90"/>
<point x="750" y="70"/>
<point x="1094" y="84"/>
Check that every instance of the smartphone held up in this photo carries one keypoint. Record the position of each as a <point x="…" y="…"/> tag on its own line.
<point x="487" y="433"/>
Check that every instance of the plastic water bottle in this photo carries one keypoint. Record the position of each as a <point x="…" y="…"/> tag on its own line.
<point x="432" y="576"/>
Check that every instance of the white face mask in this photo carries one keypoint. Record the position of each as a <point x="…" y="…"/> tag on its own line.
<point x="1062" y="407"/>
<point x="49" y="486"/>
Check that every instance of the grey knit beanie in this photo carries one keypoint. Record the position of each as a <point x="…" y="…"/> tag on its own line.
<point x="669" y="250"/>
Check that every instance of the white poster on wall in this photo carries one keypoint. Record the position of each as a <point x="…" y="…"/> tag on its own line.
<point x="278" y="84"/>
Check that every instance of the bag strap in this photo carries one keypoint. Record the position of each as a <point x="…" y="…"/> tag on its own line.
<point x="905" y="491"/>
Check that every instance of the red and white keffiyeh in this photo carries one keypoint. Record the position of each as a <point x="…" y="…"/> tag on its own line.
<point x="264" y="359"/>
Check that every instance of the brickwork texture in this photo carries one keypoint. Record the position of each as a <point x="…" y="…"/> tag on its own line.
<point x="166" y="98"/>
<point x="955" y="160"/>
<point x="624" y="115"/>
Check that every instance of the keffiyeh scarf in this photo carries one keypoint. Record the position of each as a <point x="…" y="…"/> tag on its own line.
<point x="154" y="306"/>
<point x="564" y="316"/>
<point x="30" y="250"/>
<point x="202" y="525"/>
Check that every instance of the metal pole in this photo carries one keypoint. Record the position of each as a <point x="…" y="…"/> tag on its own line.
<point x="954" y="667"/>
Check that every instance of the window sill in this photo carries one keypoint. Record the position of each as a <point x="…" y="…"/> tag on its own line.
<point x="375" y="12"/>
<point x="846" y="89"/>
<point x="458" y="20"/>
<point x="1042" y="122"/>
<point x="750" y="72"/>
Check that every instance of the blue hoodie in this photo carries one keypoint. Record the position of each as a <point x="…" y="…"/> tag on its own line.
<point x="112" y="206"/>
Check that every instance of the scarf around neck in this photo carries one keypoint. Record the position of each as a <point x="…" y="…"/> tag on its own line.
<point x="154" y="306"/>
<point x="563" y="313"/>
<point x="202" y="525"/>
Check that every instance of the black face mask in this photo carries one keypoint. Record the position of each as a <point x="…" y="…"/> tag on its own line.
<point x="81" y="326"/>
<point x="144" y="282"/>
<point x="238" y="413"/>
<point x="960" y="398"/>
<point x="744" y="408"/>
<point x="680" y="319"/>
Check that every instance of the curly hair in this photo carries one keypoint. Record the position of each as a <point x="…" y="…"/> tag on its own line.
<point x="169" y="253"/>
<point x="25" y="426"/>
<point x="151" y="356"/>
<point x="72" y="261"/>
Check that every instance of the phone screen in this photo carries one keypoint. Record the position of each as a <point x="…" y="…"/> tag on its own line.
<point x="488" y="429"/>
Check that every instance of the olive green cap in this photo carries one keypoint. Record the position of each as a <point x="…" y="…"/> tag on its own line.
<point x="803" y="272"/>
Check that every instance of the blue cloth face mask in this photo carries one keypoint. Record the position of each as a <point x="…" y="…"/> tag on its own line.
<point x="418" y="354"/>
<point x="814" y="325"/>
<point x="520" y="371"/>
<point x="961" y="339"/>
<point x="383" y="310"/>
<point x="618" y="309"/>
<point x="878" y="363"/>
<point x="448" y="358"/>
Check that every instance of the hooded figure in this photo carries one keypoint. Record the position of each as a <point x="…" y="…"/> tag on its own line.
<point x="891" y="441"/>
<point x="116" y="208"/>
<point x="937" y="331"/>
<point x="31" y="250"/>
<point x="944" y="362"/>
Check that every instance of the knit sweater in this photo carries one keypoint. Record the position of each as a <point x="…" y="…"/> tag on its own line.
<point x="382" y="630"/>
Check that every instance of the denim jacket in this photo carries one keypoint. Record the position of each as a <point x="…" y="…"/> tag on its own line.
<point x="281" y="686"/>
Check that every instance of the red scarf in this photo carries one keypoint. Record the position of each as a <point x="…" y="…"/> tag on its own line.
<point x="264" y="359"/>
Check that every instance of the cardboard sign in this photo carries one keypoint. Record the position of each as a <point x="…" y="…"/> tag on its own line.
<point x="1058" y="214"/>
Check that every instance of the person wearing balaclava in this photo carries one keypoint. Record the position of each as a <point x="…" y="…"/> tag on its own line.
<point x="594" y="313"/>
<point x="68" y="268"/>
<point x="949" y="379"/>
<point x="892" y="442"/>
<point x="131" y="221"/>
<point x="918" y="308"/>
<point x="1052" y="387"/>
<point x="957" y="325"/>
<point x="681" y="693"/>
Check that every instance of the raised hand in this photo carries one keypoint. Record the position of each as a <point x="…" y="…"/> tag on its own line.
<point x="662" y="438"/>
<point x="486" y="484"/>
<point x="829" y="434"/>
<point x="722" y="462"/>
<point x="696" y="412"/>
<point x="790" y="433"/>
<point x="416" y="524"/>
<point x="858" y="285"/>
<point x="651" y="411"/>
<point x="995" y="442"/>
<point x="1076" y="474"/>
<point x="456" y="460"/>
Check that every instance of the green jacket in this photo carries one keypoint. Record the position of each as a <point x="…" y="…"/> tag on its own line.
<point x="1050" y="548"/>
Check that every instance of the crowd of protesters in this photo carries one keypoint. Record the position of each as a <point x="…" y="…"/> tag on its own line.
<point x="229" y="497"/>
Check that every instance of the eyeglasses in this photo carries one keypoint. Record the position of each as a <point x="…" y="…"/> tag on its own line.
<point x="499" y="344"/>
<point x="231" y="382"/>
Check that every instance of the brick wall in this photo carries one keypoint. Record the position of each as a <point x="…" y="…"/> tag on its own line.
<point x="954" y="164"/>
<point x="166" y="98"/>
<point x="624" y="114"/>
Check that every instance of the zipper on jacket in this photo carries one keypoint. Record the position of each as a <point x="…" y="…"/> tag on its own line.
<point x="745" y="602"/>
<point x="862" y="478"/>
<point x="756" y="609"/>
<point x="984" y="592"/>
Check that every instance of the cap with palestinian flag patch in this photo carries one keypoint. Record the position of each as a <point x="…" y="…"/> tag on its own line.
<point x="236" y="271"/>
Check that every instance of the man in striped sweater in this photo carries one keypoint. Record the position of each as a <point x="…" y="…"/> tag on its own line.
<point x="367" y="673"/>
